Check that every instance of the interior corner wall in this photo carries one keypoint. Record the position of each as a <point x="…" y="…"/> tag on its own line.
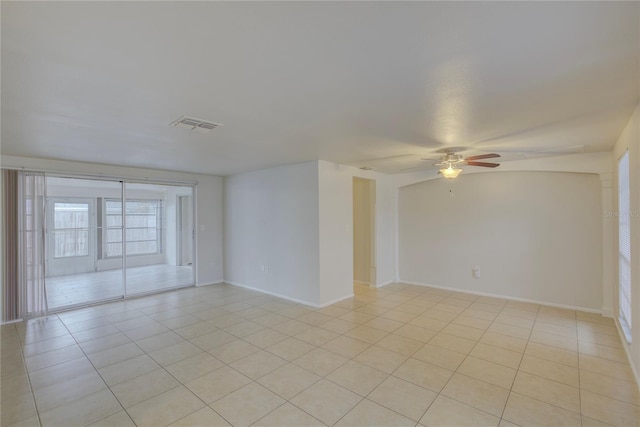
<point x="208" y="210"/>
<point x="630" y="140"/>
<point x="533" y="235"/>
<point x="335" y="228"/>
<point x="295" y="223"/>
<point x="272" y="231"/>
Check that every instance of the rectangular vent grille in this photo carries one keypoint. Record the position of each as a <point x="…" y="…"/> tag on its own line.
<point x="196" y="125"/>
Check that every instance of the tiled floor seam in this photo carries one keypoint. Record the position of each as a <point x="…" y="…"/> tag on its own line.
<point x="135" y="376"/>
<point x="230" y="367"/>
<point x="24" y="359"/>
<point x="454" y="372"/>
<point x="533" y="398"/>
<point x="351" y="358"/>
<point x="97" y="372"/>
<point x="293" y="397"/>
<point x="33" y="394"/>
<point x="520" y="363"/>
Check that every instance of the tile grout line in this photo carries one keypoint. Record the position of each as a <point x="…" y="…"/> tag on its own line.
<point x="98" y="373"/>
<point x="453" y="371"/>
<point x="469" y="354"/>
<point x="24" y="361"/>
<point x="533" y="325"/>
<point x="254" y="381"/>
<point x="351" y="358"/>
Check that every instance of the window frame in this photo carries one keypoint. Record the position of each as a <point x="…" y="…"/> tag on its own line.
<point x="103" y="215"/>
<point x="624" y="254"/>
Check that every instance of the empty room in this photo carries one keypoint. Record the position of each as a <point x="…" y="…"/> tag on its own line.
<point x="320" y="213"/>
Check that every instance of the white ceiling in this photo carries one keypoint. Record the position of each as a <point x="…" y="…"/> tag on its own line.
<point x="297" y="81"/>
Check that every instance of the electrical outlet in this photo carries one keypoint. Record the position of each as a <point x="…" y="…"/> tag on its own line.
<point x="475" y="271"/>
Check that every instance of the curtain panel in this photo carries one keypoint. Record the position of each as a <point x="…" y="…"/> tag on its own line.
<point x="23" y="245"/>
<point x="32" y="245"/>
<point x="10" y="236"/>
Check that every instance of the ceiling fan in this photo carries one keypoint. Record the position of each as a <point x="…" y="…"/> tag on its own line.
<point x="451" y="160"/>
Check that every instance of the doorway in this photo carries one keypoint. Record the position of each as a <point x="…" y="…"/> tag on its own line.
<point x="364" y="231"/>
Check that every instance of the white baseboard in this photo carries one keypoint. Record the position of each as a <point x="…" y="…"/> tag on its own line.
<point x="334" y="301"/>
<point x="507" y="297"/>
<point x="607" y="312"/>
<point x="217" y="282"/>
<point x="275" y="294"/>
<point x="385" y="284"/>
<point x="299" y="301"/>
<point x="373" y="284"/>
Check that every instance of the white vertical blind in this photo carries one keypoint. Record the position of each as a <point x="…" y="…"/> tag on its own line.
<point x="624" y="245"/>
<point x="32" y="256"/>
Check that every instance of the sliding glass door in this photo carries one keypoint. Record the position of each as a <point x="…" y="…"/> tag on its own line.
<point x="109" y="239"/>
<point x="79" y="269"/>
<point x="159" y="237"/>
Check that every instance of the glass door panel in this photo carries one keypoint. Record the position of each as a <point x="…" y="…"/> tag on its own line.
<point x="158" y="245"/>
<point x="80" y="269"/>
<point x="71" y="236"/>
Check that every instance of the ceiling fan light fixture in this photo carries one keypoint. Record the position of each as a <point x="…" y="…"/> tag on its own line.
<point x="450" y="172"/>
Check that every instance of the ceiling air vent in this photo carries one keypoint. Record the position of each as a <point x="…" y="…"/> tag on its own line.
<point x="196" y="125"/>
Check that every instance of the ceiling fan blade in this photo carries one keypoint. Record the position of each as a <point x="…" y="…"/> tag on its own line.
<point x="483" y="156"/>
<point x="483" y="164"/>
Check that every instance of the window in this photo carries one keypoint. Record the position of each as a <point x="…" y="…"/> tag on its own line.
<point x="70" y="229"/>
<point x="143" y="226"/>
<point x="624" y="245"/>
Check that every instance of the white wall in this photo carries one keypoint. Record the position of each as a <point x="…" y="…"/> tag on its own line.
<point x="272" y="220"/>
<point x="296" y="220"/>
<point x="630" y="140"/>
<point x="336" y="235"/>
<point x="208" y="212"/>
<point x="336" y="205"/>
<point x="534" y="235"/>
<point x="386" y="232"/>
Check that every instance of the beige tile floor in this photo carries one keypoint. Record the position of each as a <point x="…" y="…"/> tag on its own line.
<point x="75" y="289"/>
<point x="394" y="356"/>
